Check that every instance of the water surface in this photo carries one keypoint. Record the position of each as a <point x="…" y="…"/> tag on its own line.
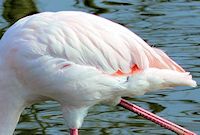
<point x="172" y="25"/>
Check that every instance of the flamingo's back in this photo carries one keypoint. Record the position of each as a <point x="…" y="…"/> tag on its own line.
<point x="89" y="40"/>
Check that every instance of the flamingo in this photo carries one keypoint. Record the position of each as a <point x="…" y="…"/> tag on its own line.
<point x="79" y="60"/>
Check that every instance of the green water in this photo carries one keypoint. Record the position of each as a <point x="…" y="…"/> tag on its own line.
<point x="172" y="25"/>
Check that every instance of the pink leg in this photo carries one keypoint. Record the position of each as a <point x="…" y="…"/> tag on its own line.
<point x="154" y="118"/>
<point x="73" y="131"/>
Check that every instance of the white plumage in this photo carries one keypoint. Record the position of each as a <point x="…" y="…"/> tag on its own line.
<point x="79" y="60"/>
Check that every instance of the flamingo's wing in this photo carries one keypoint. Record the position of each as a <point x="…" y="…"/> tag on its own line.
<point x="109" y="46"/>
<point x="90" y="40"/>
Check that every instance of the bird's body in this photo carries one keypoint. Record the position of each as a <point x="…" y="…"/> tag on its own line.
<point x="79" y="60"/>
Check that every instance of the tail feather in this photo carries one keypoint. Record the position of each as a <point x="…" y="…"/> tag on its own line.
<point x="165" y="60"/>
<point x="150" y="57"/>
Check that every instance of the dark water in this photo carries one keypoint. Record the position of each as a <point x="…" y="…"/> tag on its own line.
<point x="173" y="25"/>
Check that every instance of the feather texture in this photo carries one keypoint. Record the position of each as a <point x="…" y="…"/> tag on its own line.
<point x="83" y="38"/>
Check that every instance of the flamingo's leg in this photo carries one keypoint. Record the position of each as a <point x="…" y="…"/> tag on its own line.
<point x="154" y="118"/>
<point x="73" y="131"/>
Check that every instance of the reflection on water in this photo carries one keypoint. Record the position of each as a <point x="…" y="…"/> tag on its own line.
<point x="171" y="25"/>
<point x="14" y="10"/>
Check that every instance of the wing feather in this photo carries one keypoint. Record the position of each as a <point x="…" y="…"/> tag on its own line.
<point x="87" y="39"/>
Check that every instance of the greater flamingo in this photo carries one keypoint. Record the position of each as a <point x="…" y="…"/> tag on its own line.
<point x="79" y="60"/>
